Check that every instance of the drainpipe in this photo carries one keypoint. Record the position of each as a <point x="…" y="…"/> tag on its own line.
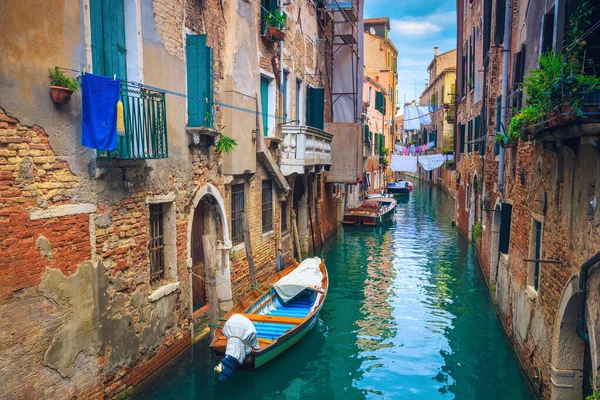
<point x="503" y="116"/>
<point x="281" y="78"/>
<point x="583" y="275"/>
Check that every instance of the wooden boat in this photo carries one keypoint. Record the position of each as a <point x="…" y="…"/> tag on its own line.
<point x="400" y="188"/>
<point x="372" y="212"/>
<point x="279" y="324"/>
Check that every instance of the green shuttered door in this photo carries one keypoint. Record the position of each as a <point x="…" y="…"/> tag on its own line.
<point x="264" y="103"/>
<point x="315" y="103"/>
<point x="109" y="51"/>
<point x="199" y="81"/>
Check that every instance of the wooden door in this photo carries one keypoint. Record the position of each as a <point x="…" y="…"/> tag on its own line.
<point x="198" y="277"/>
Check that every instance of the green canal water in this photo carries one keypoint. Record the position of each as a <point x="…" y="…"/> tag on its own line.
<point x="407" y="316"/>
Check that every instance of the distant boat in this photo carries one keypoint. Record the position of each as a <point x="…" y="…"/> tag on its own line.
<point x="271" y="319"/>
<point x="400" y="188"/>
<point x="372" y="212"/>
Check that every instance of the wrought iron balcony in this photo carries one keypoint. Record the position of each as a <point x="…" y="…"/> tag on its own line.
<point x="566" y="124"/>
<point x="145" y="136"/>
<point x="304" y="146"/>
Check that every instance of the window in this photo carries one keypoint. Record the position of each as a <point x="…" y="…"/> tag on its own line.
<point x="286" y="95"/>
<point x="267" y="7"/>
<point x="370" y="95"/>
<point x="498" y="123"/>
<point x="237" y="208"/>
<point x="505" y="221"/>
<point x="299" y="102"/>
<point x="380" y="101"/>
<point x="315" y="103"/>
<point x="547" y="32"/>
<point x="499" y="29"/>
<point x="467" y="197"/>
<point x="533" y="270"/>
<point x="199" y="81"/>
<point x="284" y="216"/>
<point x="267" y="101"/>
<point x="319" y="183"/>
<point x="462" y="138"/>
<point x="267" y="206"/>
<point x="469" y="135"/>
<point x="157" y="243"/>
<point x="518" y="74"/>
<point x="477" y="135"/>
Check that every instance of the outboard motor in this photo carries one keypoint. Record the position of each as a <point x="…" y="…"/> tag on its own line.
<point x="241" y="339"/>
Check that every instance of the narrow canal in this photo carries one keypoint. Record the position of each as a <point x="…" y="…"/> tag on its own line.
<point x="407" y="317"/>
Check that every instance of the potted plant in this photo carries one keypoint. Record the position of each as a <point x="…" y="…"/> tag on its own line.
<point x="61" y="86"/>
<point x="275" y="23"/>
<point x="447" y="150"/>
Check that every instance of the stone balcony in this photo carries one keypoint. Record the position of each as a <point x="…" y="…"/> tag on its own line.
<point x="304" y="147"/>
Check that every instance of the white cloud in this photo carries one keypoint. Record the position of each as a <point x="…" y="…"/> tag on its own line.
<point x="423" y="26"/>
<point x="414" y="28"/>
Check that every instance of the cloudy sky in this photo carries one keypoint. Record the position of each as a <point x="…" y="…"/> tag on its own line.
<point x="416" y="27"/>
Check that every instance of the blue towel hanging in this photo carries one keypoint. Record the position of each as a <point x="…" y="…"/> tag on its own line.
<point x="99" y="111"/>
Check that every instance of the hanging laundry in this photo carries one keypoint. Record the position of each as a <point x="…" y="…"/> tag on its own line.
<point x="432" y="162"/>
<point x="415" y="116"/>
<point x="99" y="111"/>
<point x="404" y="164"/>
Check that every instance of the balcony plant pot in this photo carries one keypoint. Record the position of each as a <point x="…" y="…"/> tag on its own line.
<point x="276" y="34"/>
<point x="552" y="119"/>
<point x="510" y="144"/>
<point x="60" y="95"/>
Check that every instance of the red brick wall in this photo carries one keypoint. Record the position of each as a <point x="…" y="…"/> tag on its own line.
<point x="31" y="176"/>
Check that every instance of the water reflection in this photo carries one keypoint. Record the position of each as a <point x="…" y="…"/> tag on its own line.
<point x="407" y="316"/>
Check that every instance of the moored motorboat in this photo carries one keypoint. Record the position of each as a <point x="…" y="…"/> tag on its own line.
<point x="269" y="320"/>
<point x="372" y="212"/>
<point x="400" y="188"/>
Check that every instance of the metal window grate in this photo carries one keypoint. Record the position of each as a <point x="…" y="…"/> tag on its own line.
<point x="267" y="206"/>
<point x="237" y="208"/>
<point x="284" y="216"/>
<point x="157" y="243"/>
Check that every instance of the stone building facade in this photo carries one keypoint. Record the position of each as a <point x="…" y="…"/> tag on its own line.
<point x="379" y="96"/>
<point x="101" y="256"/>
<point x="536" y="240"/>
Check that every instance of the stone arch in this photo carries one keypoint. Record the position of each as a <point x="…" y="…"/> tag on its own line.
<point x="209" y="194"/>
<point x="566" y="369"/>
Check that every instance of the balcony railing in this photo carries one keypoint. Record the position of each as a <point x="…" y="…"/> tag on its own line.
<point x="304" y="146"/>
<point x="565" y="124"/>
<point x="145" y="115"/>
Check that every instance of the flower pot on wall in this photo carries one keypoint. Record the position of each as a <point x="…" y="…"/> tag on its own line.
<point x="60" y="95"/>
<point x="276" y="34"/>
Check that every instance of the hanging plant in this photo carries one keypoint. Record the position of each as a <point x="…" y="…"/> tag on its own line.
<point x="61" y="86"/>
<point x="225" y="144"/>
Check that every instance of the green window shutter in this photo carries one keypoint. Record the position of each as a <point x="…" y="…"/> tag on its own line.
<point x="109" y="50"/>
<point x="199" y="81"/>
<point x="273" y="5"/>
<point x="469" y="135"/>
<point x="476" y="134"/>
<point x="367" y="136"/>
<point x="264" y="102"/>
<point x="380" y="102"/>
<point x="315" y="103"/>
<point x="462" y="138"/>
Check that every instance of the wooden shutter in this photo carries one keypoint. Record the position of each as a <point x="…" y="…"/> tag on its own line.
<point x="315" y="103"/>
<point x="469" y="135"/>
<point x="109" y="51"/>
<point x="462" y="138"/>
<point x="505" y="221"/>
<point x="199" y="81"/>
<point x="499" y="29"/>
<point x="477" y="134"/>
<point x="264" y="102"/>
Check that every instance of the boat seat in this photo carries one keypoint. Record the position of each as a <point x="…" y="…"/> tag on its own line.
<point x="273" y="318"/>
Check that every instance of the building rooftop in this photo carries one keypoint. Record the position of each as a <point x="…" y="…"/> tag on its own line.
<point x="382" y="20"/>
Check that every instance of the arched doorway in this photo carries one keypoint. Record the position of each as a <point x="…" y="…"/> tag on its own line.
<point x="569" y="350"/>
<point x="473" y="201"/>
<point x="494" y="251"/>
<point x="207" y="217"/>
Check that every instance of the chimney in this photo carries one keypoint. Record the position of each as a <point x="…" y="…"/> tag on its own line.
<point x="435" y="51"/>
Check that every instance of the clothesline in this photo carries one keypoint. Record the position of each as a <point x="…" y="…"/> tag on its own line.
<point x="406" y="163"/>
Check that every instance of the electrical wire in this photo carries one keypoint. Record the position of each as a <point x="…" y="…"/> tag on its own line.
<point x="183" y="95"/>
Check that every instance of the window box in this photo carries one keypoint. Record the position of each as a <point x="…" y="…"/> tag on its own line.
<point x="275" y="34"/>
<point x="145" y="115"/>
